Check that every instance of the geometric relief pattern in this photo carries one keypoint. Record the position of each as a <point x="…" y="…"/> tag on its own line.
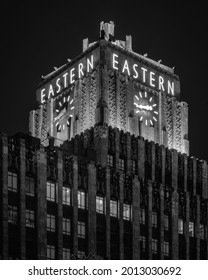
<point x="112" y="98"/>
<point x="83" y="106"/>
<point x="178" y="129"/>
<point x="44" y="125"/>
<point x="169" y="121"/>
<point x="122" y="89"/>
<point x="38" y="119"/>
<point x="92" y="99"/>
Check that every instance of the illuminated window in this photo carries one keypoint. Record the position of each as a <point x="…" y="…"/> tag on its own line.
<point x="81" y="200"/>
<point x="142" y="216"/>
<point x="133" y="166"/>
<point x="154" y="246"/>
<point x="50" y="252"/>
<point x="66" y="226"/>
<point x="12" y="214"/>
<point x="166" y="222"/>
<point x="30" y="186"/>
<point x="154" y="219"/>
<point x="126" y="212"/>
<point x="191" y="229"/>
<point x="110" y="160"/>
<point x="51" y="191"/>
<point x="66" y="195"/>
<point x="51" y="222"/>
<point x="202" y="231"/>
<point x="12" y="181"/>
<point x="114" y="208"/>
<point x="121" y="164"/>
<point x="180" y="226"/>
<point x="142" y="243"/>
<point x="81" y="229"/>
<point x="166" y="248"/>
<point x="100" y="204"/>
<point x="30" y="218"/>
<point x="66" y="254"/>
<point x="81" y="254"/>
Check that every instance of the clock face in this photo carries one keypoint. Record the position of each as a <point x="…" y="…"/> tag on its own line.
<point x="64" y="111"/>
<point x="146" y="108"/>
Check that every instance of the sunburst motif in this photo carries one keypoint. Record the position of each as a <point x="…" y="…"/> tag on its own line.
<point x="146" y="108"/>
<point x="64" y="104"/>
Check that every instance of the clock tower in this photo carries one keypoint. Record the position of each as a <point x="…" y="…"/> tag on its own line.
<point x="111" y="84"/>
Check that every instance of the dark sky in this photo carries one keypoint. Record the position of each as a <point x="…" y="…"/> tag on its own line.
<point x="37" y="37"/>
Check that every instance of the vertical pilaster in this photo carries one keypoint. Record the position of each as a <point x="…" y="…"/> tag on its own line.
<point x="108" y="213"/>
<point x="121" y="224"/>
<point x="22" y="201"/>
<point x="141" y="155"/>
<point x="75" y="206"/>
<point x="197" y="227"/>
<point x="60" y="206"/>
<point x="4" y="195"/>
<point x="41" y="203"/>
<point x="135" y="218"/>
<point x="149" y="220"/>
<point x="161" y="223"/>
<point x="91" y="209"/>
<point x="174" y="226"/>
<point x="186" y="225"/>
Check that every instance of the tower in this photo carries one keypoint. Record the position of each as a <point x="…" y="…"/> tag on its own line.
<point x="142" y="95"/>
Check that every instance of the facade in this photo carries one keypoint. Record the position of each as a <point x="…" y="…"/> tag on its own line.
<point x="105" y="172"/>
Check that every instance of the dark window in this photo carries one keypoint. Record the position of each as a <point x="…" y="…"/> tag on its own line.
<point x="121" y="164"/>
<point x="110" y="160"/>
<point x="12" y="214"/>
<point x="51" y="191"/>
<point x="66" y="254"/>
<point x="30" y="218"/>
<point x="66" y="226"/>
<point x="50" y="252"/>
<point x="30" y="186"/>
<point x="51" y="222"/>
<point x="81" y="229"/>
<point x="12" y="181"/>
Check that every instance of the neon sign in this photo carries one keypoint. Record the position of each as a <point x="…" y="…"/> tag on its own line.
<point x="65" y="79"/>
<point x="143" y="74"/>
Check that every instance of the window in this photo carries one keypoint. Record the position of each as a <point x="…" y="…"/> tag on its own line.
<point x="180" y="226"/>
<point x="12" y="181"/>
<point x="126" y="212"/>
<point x="81" y="254"/>
<point x="66" y="226"/>
<point x="81" y="199"/>
<point x="12" y="214"/>
<point x="166" y="222"/>
<point x="202" y="231"/>
<point x="110" y="160"/>
<point x="81" y="229"/>
<point x="154" y="219"/>
<point x="30" y="218"/>
<point x="121" y="164"/>
<point x="166" y="248"/>
<point x="100" y="204"/>
<point x="51" y="192"/>
<point x="51" y="222"/>
<point x="66" y="196"/>
<point x="142" y="216"/>
<point x="50" y="252"/>
<point x="133" y="166"/>
<point x="142" y="243"/>
<point x="154" y="246"/>
<point x="191" y="229"/>
<point x="30" y="186"/>
<point x="66" y="254"/>
<point x="114" y="208"/>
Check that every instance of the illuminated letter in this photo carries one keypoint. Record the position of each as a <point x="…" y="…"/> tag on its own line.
<point x="65" y="79"/>
<point x="161" y="82"/>
<point x="50" y="91"/>
<point x="115" y="61"/>
<point x="170" y="87"/>
<point x="144" y="74"/>
<point x="80" y="72"/>
<point x="126" y="67"/>
<point x="72" y="75"/>
<point x="89" y="63"/>
<point x="58" y="85"/>
<point x="152" y="79"/>
<point x="136" y="73"/>
<point x="42" y="95"/>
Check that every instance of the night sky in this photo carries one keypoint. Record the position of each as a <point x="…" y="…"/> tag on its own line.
<point x="40" y="36"/>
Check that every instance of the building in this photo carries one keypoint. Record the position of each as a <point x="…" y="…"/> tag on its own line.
<point x="105" y="172"/>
